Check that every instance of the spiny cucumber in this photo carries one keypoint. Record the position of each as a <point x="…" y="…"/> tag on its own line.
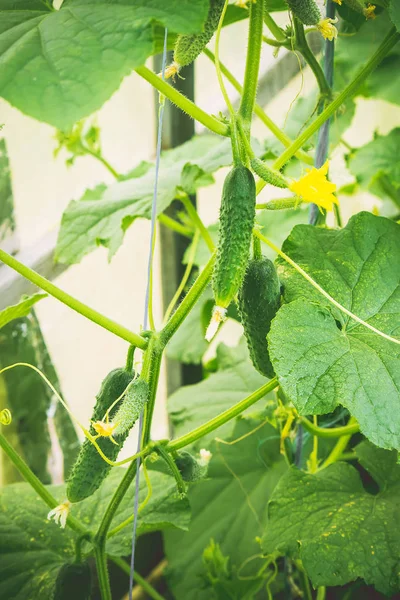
<point x="73" y="581"/>
<point x="306" y="11"/>
<point x="258" y="303"/>
<point x="90" y="469"/>
<point x="131" y="406"/>
<point x="190" y="469"/>
<point x="272" y="177"/>
<point x="189" y="47"/>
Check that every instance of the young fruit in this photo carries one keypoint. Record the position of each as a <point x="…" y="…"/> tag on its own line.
<point x="272" y="177"/>
<point x="258" y="303"/>
<point x="73" y="581"/>
<point x="189" y="47"/>
<point x="190" y="469"/>
<point x="306" y="11"/>
<point x="237" y="215"/>
<point x="131" y="407"/>
<point x="90" y="469"/>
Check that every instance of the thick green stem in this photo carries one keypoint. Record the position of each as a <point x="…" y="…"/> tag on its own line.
<point x="36" y="484"/>
<point x="278" y="133"/>
<point x="329" y="433"/>
<point x="83" y="309"/>
<point x="388" y="43"/>
<point x="252" y="62"/>
<point x="223" y="418"/>
<point x="182" y="102"/>
<point x="188" y="302"/>
<point x="151" y="372"/>
<point x="175" y="225"/>
<point x="276" y="31"/>
<point x="173" y="468"/>
<point x="302" y="46"/>
<point x="141" y="581"/>
<point x="102" y="573"/>
<point x="340" y="447"/>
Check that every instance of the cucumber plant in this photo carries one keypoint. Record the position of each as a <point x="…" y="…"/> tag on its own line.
<point x="281" y="476"/>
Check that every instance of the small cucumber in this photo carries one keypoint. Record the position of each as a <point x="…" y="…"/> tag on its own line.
<point x="90" y="469"/>
<point x="258" y="303"/>
<point x="306" y="11"/>
<point x="272" y="177"/>
<point x="237" y="215"/>
<point x="190" y="469"/>
<point x="73" y="581"/>
<point x="189" y="47"/>
<point x="131" y="407"/>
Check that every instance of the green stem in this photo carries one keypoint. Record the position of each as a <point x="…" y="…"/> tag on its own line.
<point x="151" y="372"/>
<point x="173" y="468"/>
<point x="252" y="62"/>
<point x="388" y="43"/>
<point x="36" y="484"/>
<point x="223" y="418"/>
<point x="83" y="309"/>
<point x="103" y="161"/>
<point x="175" y="225"/>
<point x="188" y="302"/>
<point x="182" y="102"/>
<point x="141" y="581"/>
<point x="194" y="216"/>
<point x="257" y="253"/>
<point x="102" y="572"/>
<point x="339" y="448"/>
<point x="129" y="358"/>
<point x="302" y="46"/>
<point x="274" y="43"/>
<point x="276" y="31"/>
<point x="278" y="133"/>
<point x="217" y="63"/>
<point x="329" y="433"/>
<point x="321" y="593"/>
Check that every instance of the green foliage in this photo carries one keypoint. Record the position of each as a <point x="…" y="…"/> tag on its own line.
<point x="229" y="506"/>
<point x="321" y="356"/>
<point x="50" y="81"/>
<point x="338" y="529"/>
<point x="394" y="12"/>
<point x="104" y="218"/>
<point x="90" y="469"/>
<point x="7" y="222"/>
<point x="22" y="309"/>
<point x="237" y="214"/>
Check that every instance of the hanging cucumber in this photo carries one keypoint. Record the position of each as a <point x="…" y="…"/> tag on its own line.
<point x="190" y="468"/>
<point x="189" y="47"/>
<point x="73" y="581"/>
<point x="90" y="469"/>
<point x="237" y="215"/>
<point x="306" y="11"/>
<point x="272" y="177"/>
<point x="258" y="303"/>
<point x="131" y="407"/>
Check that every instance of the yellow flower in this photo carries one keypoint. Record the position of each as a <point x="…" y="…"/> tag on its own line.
<point x="369" y="12"/>
<point x="60" y="514"/>
<point x="105" y="429"/>
<point x="327" y="29"/>
<point x="315" y="187"/>
<point x="338" y="2"/>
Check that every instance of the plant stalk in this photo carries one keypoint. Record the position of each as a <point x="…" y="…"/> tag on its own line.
<point x="324" y="432"/>
<point x="250" y="84"/>
<point x="302" y="46"/>
<point x="102" y="572"/>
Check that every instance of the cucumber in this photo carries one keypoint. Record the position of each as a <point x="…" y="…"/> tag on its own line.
<point x="258" y="303"/>
<point x="306" y="11"/>
<point x="190" y="469"/>
<point x="272" y="177"/>
<point x="73" y="581"/>
<point x="237" y="216"/>
<point x="131" y="407"/>
<point x="189" y="47"/>
<point x="90" y="469"/>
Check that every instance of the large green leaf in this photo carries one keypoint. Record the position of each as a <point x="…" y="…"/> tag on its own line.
<point x="230" y="507"/>
<point x="7" y="223"/>
<point x="338" y="529"/>
<point x="322" y="357"/>
<point x="33" y="550"/>
<point x="394" y="12"/>
<point x="60" y="65"/>
<point x="21" y="309"/>
<point x="193" y="405"/>
<point x="104" y="217"/>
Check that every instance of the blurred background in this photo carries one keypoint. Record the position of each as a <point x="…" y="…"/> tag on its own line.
<point x="43" y="185"/>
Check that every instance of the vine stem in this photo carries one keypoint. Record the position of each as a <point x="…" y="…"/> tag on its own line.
<point x="183" y="103"/>
<point x="302" y="46"/>
<point x="388" y="43"/>
<point x="76" y="305"/>
<point x="250" y="83"/>
<point x="141" y="581"/>
<point x="276" y="31"/>
<point x="278" y="133"/>
<point x="223" y="418"/>
<point x="339" y="448"/>
<point x="324" y="432"/>
<point x="102" y="572"/>
<point x="102" y="160"/>
<point x="175" y="225"/>
<point x="36" y="484"/>
<point x="217" y="63"/>
<point x="195" y="218"/>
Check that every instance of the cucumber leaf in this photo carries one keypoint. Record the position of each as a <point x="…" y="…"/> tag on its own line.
<point x="22" y="309"/>
<point x="229" y="507"/>
<point x="7" y="221"/>
<point x="338" y="529"/>
<point x="321" y="356"/>
<point x="394" y="13"/>
<point x="61" y="65"/>
<point x="103" y="216"/>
